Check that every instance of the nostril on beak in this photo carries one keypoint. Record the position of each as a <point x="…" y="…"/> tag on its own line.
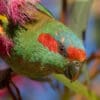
<point x="72" y="71"/>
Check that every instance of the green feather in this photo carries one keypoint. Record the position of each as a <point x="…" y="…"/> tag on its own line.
<point x="31" y="58"/>
<point x="43" y="9"/>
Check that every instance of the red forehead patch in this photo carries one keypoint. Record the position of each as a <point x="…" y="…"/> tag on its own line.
<point x="48" y="41"/>
<point x="76" y="53"/>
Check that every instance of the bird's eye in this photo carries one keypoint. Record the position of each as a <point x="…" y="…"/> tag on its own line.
<point x="62" y="49"/>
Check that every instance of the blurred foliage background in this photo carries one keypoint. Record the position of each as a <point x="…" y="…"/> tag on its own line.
<point x="83" y="17"/>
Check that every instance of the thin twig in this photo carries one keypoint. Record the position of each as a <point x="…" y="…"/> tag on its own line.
<point x="17" y="90"/>
<point x="93" y="56"/>
<point x="11" y="86"/>
<point x="94" y="71"/>
<point x="63" y="12"/>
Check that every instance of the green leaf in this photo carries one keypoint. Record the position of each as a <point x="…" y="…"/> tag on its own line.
<point x="43" y="9"/>
<point x="76" y="87"/>
<point x="79" y="16"/>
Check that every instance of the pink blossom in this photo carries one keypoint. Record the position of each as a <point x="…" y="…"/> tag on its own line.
<point x="14" y="11"/>
<point x="33" y="1"/>
<point x="6" y="45"/>
<point x="3" y="7"/>
<point x="18" y="11"/>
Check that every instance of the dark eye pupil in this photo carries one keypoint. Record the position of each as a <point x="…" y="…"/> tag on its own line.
<point x="62" y="49"/>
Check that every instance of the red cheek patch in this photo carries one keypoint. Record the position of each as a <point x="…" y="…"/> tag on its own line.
<point x="48" y="41"/>
<point x="76" y="53"/>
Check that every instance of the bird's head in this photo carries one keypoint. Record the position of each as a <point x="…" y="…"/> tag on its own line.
<point x="77" y="57"/>
<point x="74" y="55"/>
<point x="21" y="11"/>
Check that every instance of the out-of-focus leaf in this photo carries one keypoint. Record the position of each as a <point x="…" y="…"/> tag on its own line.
<point x="76" y="87"/>
<point x="79" y="15"/>
<point x="54" y="6"/>
<point x="43" y="9"/>
<point x="86" y="74"/>
<point x="97" y="32"/>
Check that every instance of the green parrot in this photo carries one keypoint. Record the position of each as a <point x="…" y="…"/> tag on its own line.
<point x="34" y="44"/>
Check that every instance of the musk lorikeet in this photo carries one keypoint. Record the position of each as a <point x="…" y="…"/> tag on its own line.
<point x="35" y="44"/>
